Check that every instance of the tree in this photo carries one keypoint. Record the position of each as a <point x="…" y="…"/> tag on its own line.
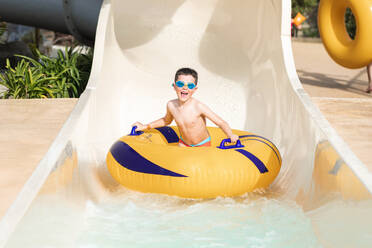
<point x="303" y="6"/>
<point x="350" y="23"/>
<point x="309" y="8"/>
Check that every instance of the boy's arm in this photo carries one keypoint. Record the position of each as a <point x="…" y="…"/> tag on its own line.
<point x="207" y="112"/>
<point x="164" y="121"/>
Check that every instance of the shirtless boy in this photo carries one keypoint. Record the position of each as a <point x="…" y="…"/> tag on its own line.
<point x="189" y="114"/>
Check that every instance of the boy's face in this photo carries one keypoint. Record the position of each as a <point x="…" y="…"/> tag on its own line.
<point x="184" y="93"/>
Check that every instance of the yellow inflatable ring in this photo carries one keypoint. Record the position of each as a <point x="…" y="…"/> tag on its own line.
<point x="331" y="21"/>
<point x="152" y="162"/>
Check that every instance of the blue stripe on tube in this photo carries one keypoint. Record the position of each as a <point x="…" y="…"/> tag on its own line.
<point x="127" y="157"/>
<point x="257" y="162"/>
<point x="169" y="134"/>
<point x="252" y="136"/>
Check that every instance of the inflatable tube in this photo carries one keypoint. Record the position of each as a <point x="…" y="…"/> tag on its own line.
<point x="152" y="161"/>
<point x="332" y="174"/>
<point x="349" y="53"/>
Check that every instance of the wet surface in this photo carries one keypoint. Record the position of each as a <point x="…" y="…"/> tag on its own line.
<point x="27" y="129"/>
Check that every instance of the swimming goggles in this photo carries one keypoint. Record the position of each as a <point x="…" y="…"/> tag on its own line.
<point x="180" y="84"/>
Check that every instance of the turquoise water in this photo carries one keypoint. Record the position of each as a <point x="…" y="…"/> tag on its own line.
<point x="130" y="219"/>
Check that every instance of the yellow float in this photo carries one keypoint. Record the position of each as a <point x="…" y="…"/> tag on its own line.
<point x="152" y="162"/>
<point x="331" y="21"/>
<point x="332" y="174"/>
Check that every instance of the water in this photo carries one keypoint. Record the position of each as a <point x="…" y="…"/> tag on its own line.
<point x="124" y="218"/>
<point x="130" y="219"/>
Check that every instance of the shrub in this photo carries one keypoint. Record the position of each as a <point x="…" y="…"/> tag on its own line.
<point x="25" y="81"/>
<point x="350" y="23"/>
<point x="310" y="32"/>
<point x="64" y="76"/>
<point x="303" y="6"/>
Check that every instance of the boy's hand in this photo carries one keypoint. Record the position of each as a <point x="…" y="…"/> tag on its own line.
<point x="140" y="126"/>
<point x="234" y="138"/>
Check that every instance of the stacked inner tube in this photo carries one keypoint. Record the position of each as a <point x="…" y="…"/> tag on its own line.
<point x="349" y="53"/>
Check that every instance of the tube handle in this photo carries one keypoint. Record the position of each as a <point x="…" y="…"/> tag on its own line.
<point x="133" y="132"/>
<point x="238" y="144"/>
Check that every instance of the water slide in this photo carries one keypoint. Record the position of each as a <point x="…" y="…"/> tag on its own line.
<point x="242" y="52"/>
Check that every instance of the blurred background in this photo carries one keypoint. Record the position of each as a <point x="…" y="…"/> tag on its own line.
<point x="32" y="45"/>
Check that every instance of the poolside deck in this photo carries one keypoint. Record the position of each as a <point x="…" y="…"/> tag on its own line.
<point x="339" y="94"/>
<point x="27" y="129"/>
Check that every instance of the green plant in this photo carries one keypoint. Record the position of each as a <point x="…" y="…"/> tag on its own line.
<point x="310" y="32"/>
<point x="24" y="81"/>
<point x="350" y="23"/>
<point x="303" y="6"/>
<point x="84" y="65"/>
<point x="64" y="76"/>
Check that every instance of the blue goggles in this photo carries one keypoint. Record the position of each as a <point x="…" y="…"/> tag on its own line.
<point x="180" y="84"/>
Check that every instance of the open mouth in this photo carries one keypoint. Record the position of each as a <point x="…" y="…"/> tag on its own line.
<point x="184" y="94"/>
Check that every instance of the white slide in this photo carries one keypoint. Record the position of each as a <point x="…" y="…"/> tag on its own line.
<point x="242" y="53"/>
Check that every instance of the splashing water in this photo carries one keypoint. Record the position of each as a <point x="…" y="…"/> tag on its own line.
<point x="130" y="219"/>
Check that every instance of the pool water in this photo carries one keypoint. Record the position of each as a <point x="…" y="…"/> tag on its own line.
<point x="132" y="219"/>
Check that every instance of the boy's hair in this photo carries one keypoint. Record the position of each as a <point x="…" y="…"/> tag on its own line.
<point x="187" y="71"/>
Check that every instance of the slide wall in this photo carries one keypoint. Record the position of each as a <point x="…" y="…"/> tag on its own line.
<point x="242" y="52"/>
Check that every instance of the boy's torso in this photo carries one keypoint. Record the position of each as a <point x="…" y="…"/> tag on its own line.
<point x="190" y="121"/>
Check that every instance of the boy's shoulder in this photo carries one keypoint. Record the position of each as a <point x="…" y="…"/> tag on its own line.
<point x="172" y="102"/>
<point x="197" y="102"/>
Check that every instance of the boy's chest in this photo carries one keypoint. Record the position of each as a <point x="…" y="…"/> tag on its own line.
<point x="187" y="117"/>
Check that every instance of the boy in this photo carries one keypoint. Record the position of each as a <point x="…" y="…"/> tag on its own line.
<point x="189" y="114"/>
